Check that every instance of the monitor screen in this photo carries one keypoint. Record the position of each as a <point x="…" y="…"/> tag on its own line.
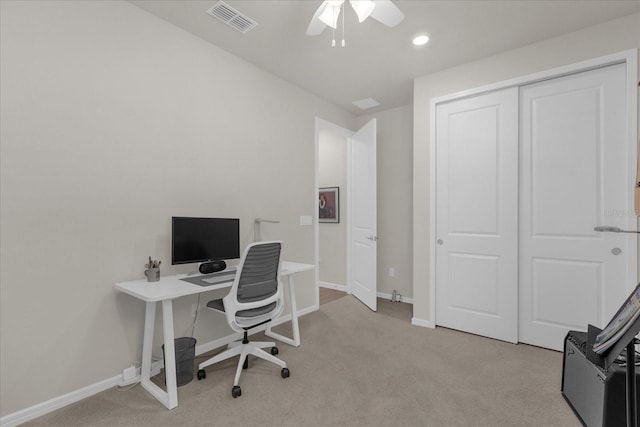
<point x="204" y="239"/>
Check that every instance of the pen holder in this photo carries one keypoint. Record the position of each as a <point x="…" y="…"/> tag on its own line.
<point x="153" y="274"/>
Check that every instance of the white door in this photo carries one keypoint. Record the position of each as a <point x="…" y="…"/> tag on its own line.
<point x="362" y="215"/>
<point x="576" y="174"/>
<point x="476" y="214"/>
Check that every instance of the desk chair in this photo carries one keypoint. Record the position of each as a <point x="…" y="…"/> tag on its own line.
<point x="255" y="298"/>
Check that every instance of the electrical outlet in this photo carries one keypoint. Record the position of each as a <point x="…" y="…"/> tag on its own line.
<point x="392" y="272"/>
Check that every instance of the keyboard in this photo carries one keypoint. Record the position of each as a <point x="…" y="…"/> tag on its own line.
<point x="224" y="276"/>
<point x="220" y="279"/>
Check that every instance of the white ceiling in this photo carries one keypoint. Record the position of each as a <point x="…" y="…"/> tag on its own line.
<point x="378" y="61"/>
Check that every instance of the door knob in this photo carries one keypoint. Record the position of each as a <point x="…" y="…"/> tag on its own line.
<point x="616" y="251"/>
<point x="372" y="238"/>
<point x="440" y="241"/>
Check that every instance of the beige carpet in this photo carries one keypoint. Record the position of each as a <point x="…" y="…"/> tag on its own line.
<point x="329" y="295"/>
<point x="358" y="368"/>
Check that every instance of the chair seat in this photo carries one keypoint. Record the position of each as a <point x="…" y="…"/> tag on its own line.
<point x="218" y="305"/>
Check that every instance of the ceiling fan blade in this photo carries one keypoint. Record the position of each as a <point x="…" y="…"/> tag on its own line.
<point x="316" y="26"/>
<point x="362" y="8"/>
<point x="387" y="13"/>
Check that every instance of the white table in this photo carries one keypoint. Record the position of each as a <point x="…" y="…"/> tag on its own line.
<point x="170" y="288"/>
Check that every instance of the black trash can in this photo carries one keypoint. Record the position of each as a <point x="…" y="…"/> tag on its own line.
<point x="185" y="348"/>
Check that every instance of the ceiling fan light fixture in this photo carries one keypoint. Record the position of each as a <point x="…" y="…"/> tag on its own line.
<point x="331" y="12"/>
<point x="363" y="8"/>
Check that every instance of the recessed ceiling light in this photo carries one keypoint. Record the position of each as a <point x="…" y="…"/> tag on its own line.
<point x="420" y="40"/>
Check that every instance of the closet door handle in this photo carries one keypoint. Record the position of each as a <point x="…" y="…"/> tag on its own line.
<point x="609" y="229"/>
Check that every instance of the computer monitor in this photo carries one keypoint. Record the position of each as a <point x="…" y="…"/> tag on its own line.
<point x="204" y="239"/>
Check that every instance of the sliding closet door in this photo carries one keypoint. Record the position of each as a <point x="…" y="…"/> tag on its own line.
<point x="575" y="175"/>
<point x="476" y="214"/>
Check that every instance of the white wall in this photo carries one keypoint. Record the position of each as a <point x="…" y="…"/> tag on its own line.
<point x="113" y="121"/>
<point x="395" y="136"/>
<point x="332" y="172"/>
<point x="607" y="38"/>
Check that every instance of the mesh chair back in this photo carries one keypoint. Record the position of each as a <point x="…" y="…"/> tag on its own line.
<point x="259" y="276"/>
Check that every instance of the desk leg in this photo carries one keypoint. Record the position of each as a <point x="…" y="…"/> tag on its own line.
<point x="168" y="398"/>
<point x="294" y="317"/>
<point x="147" y="341"/>
<point x="169" y="353"/>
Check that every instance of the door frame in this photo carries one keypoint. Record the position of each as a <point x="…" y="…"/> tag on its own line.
<point x="321" y="124"/>
<point x="628" y="57"/>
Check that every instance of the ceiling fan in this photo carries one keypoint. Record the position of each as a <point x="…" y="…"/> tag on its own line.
<point x="327" y="14"/>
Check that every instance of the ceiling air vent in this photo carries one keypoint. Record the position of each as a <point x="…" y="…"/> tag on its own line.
<point x="232" y="17"/>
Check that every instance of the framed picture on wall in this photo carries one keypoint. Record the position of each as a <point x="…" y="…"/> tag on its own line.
<point x="329" y="204"/>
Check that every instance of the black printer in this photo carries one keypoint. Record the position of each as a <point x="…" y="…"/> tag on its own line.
<point x="597" y="395"/>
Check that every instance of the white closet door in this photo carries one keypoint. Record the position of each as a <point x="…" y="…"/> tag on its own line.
<point x="575" y="175"/>
<point x="476" y="214"/>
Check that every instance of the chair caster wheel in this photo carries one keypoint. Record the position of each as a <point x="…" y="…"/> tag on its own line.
<point x="202" y="374"/>
<point x="236" y="391"/>
<point x="245" y="365"/>
<point x="275" y="351"/>
<point x="285" y="373"/>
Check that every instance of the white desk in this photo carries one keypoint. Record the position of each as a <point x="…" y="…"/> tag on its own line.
<point x="170" y="288"/>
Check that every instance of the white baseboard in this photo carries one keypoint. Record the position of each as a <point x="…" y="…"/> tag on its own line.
<point x="388" y="296"/>
<point x="421" y="322"/>
<point x="51" y="405"/>
<point x="335" y="286"/>
<point x="59" y="402"/>
<point x="343" y="288"/>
